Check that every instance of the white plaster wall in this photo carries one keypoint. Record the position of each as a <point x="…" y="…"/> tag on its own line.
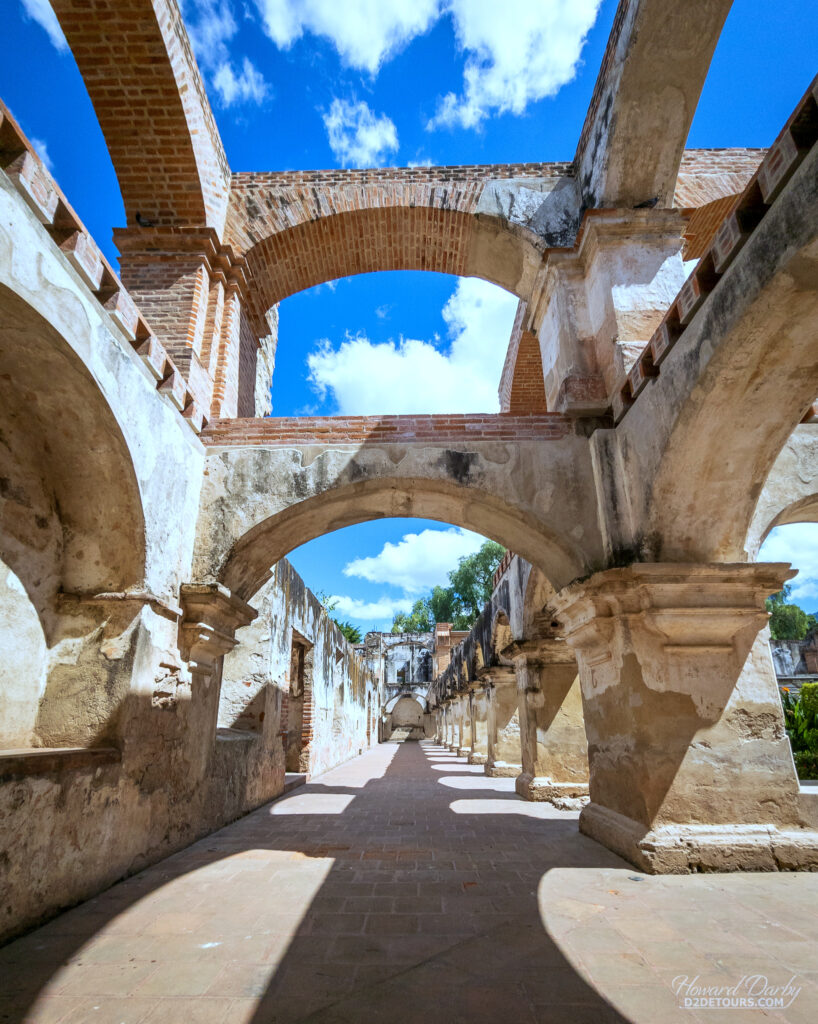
<point x="23" y="657"/>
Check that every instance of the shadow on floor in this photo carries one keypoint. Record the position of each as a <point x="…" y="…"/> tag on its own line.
<point x="392" y="897"/>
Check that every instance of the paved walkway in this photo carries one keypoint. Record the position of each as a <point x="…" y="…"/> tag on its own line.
<point x="406" y="886"/>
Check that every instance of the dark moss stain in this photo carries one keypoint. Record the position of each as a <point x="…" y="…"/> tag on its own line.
<point x="458" y="464"/>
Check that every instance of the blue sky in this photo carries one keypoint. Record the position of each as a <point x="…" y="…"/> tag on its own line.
<point x="326" y="83"/>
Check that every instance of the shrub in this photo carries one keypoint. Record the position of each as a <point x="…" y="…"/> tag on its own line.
<point x="801" y="721"/>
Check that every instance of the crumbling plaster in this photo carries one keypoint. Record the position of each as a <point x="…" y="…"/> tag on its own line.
<point x="259" y="503"/>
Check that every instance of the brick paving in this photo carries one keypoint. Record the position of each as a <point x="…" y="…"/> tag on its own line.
<point x="406" y="886"/>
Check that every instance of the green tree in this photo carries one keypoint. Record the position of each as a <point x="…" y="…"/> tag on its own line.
<point x="418" y="620"/>
<point x="801" y="721"/>
<point x="329" y="604"/>
<point x="787" y="621"/>
<point x="473" y="581"/>
<point x="470" y="586"/>
<point x="352" y="633"/>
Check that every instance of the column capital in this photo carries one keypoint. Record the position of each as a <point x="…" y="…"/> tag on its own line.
<point x="685" y="608"/>
<point x="211" y="614"/>
<point x="540" y="651"/>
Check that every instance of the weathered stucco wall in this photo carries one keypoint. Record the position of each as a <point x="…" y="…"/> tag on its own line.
<point x="256" y="684"/>
<point x="100" y="489"/>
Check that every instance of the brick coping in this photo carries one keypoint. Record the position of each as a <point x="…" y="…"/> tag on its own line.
<point x="328" y="430"/>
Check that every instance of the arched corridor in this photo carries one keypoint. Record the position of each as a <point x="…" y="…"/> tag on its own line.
<point x="406" y="885"/>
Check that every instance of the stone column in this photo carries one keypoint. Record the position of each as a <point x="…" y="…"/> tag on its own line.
<point x="444" y="724"/>
<point x="690" y="766"/>
<point x="479" y="709"/>
<point x="552" y="730"/>
<point x="503" y="756"/>
<point x="465" y="725"/>
<point x="454" y="742"/>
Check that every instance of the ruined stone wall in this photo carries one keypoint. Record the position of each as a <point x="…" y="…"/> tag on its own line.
<point x="256" y="679"/>
<point x="124" y="760"/>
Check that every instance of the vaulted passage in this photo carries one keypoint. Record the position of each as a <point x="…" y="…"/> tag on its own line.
<point x="404" y="885"/>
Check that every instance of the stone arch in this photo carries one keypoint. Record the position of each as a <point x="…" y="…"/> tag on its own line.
<point x="538" y="592"/>
<point x="72" y="519"/>
<point x="501" y="633"/>
<point x="260" y="502"/>
<point x="415" y="695"/>
<point x="408" y="712"/>
<point x="71" y="526"/>
<point x="248" y="562"/>
<point x="790" y="493"/>
<point x="743" y="373"/>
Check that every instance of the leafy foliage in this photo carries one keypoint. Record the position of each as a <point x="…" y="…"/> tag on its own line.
<point x="470" y="586"/>
<point x="352" y="633"/>
<point x="788" y="621"/>
<point x="801" y="721"/>
<point x="329" y="604"/>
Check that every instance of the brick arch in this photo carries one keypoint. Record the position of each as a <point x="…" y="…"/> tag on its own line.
<point x="299" y="229"/>
<point x="136" y="61"/>
<point x="398" y="238"/>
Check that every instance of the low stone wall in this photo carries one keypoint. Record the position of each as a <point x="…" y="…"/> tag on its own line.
<point x="186" y="760"/>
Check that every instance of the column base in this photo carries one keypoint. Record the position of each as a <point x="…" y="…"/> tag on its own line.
<point x="567" y="796"/>
<point x="503" y="770"/>
<point x="463" y="751"/>
<point x="679" y="849"/>
<point x="477" y="759"/>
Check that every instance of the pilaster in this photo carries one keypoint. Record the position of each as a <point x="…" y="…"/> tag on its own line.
<point x="552" y="731"/>
<point x="503" y="756"/>
<point x="479" y="719"/>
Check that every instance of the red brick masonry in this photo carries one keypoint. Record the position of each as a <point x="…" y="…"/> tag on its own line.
<point x="331" y="430"/>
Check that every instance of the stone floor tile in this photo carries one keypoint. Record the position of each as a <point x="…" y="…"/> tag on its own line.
<point x="395" y="908"/>
<point x="208" y="1010"/>
<point x="87" y="979"/>
<point x="132" y="1010"/>
<point x="175" y="978"/>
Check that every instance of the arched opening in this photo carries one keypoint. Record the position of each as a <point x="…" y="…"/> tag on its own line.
<point x="393" y="237"/>
<point x="248" y="563"/>
<point x="71" y="529"/>
<point x="391" y="342"/>
<point x="406" y="719"/>
<point x="793" y="632"/>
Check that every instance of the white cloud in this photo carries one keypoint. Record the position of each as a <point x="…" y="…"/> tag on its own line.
<point x="41" y="149"/>
<point x="211" y="26"/>
<point x="247" y="87"/>
<point x="412" y="376"/>
<point x="365" y="32"/>
<point x="357" y="137"/>
<point x="42" y="12"/>
<point x="355" y="608"/>
<point x="419" y="561"/>
<point x="796" y="543"/>
<point x="518" y="52"/>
